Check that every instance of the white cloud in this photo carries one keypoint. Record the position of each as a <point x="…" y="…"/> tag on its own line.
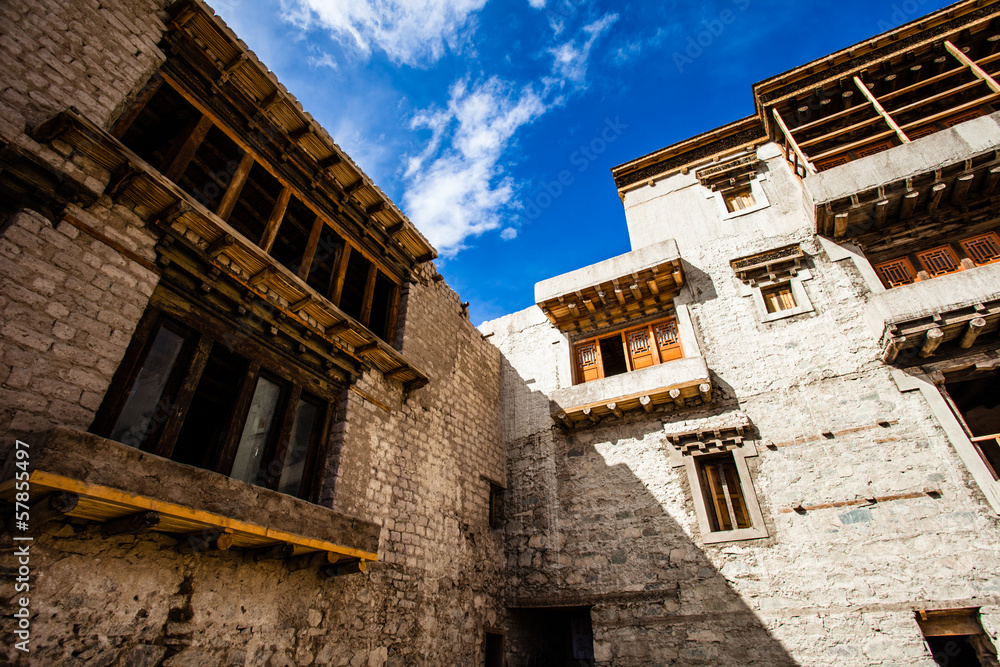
<point x="414" y="32"/>
<point x="570" y="58"/>
<point x="460" y="190"/>
<point x="508" y="234"/>
<point x="537" y="4"/>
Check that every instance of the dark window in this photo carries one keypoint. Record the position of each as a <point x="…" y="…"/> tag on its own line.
<point x="256" y="202"/>
<point x="157" y="133"/>
<point x="353" y="298"/>
<point x="207" y="176"/>
<point x="185" y="396"/>
<point x="382" y="301"/>
<point x="978" y="403"/>
<point x="293" y="234"/>
<point x="496" y="506"/>
<point x="321" y="271"/>
<point x="955" y="637"/>
<point x="494" y="650"/>
<point x="613" y="354"/>
<point x="720" y="485"/>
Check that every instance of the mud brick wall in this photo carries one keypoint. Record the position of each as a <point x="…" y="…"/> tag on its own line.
<point x="600" y="516"/>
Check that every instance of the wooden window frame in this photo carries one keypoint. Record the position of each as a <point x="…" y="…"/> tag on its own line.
<point x="940" y="624"/>
<point x="656" y="350"/>
<point x="926" y="261"/>
<point x="973" y="439"/>
<point x="967" y="246"/>
<point x="709" y="535"/>
<point x="191" y="369"/>
<point x="783" y="293"/>
<point x="882" y="270"/>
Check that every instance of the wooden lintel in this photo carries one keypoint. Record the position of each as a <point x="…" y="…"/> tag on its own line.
<point x="589" y="413"/>
<point x="932" y="339"/>
<point x="338" y="328"/>
<point x="396" y="372"/>
<point x="354" y="187"/>
<point x="375" y="208"/>
<point x="301" y="303"/>
<point x="647" y="403"/>
<point x="975" y="328"/>
<point x="133" y="523"/>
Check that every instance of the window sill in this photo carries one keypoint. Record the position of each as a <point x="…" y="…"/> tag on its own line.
<point x="114" y="481"/>
<point x="739" y="535"/>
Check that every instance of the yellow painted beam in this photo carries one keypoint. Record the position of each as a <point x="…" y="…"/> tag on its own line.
<point x="42" y="478"/>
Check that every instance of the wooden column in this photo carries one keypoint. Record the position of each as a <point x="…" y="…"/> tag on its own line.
<point x="340" y="274"/>
<point x="810" y="167"/>
<point x="277" y="215"/>
<point x="366" y="304"/>
<point x="976" y="327"/>
<point x="235" y="187"/>
<point x="391" y="320"/>
<point x="185" y="153"/>
<point x="931" y="342"/>
<point x="310" y="251"/>
<point x="882" y="112"/>
<point x="175" y="421"/>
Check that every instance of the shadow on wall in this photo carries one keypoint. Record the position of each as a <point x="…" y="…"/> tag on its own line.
<point x="588" y="529"/>
<point x="700" y="283"/>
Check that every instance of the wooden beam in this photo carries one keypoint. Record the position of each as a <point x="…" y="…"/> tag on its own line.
<point x="133" y="523"/>
<point x="892" y="349"/>
<point x="202" y="542"/>
<point x="975" y="328"/>
<point x="367" y="348"/>
<point x="338" y="328"/>
<point x="810" y="167"/>
<point x="878" y="107"/>
<point x="219" y="245"/>
<point x="310" y="250"/>
<point x="937" y="191"/>
<point x="232" y="195"/>
<point x="563" y="419"/>
<point x="187" y="149"/>
<point x="840" y="225"/>
<point x="962" y="185"/>
<point x="636" y="292"/>
<point x="932" y="339"/>
<point x="705" y="391"/>
<point x="978" y="71"/>
<point x="366" y="304"/>
<point x="991" y="180"/>
<point x="281" y="551"/>
<point x="301" y="303"/>
<point x="589" y="413"/>
<point x="675" y="396"/>
<point x="881" y="208"/>
<point x="54" y="506"/>
<point x="178" y="411"/>
<point x="615" y="410"/>
<point x="274" y="222"/>
<point x="908" y="204"/>
<point x="262" y="275"/>
<point x="340" y="274"/>
<point x="647" y="403"/>
<point x="375" y="208"/>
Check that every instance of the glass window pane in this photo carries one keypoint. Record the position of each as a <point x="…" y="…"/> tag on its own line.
<point x="256" y="430"/>
<point x="146" y="408"/>
<point x="303" y="427"/>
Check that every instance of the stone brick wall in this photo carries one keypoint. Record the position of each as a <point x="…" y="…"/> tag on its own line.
<point x="600" y="516"/>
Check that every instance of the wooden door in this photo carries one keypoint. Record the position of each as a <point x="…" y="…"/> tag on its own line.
<point x="641" y="353"/>
<point x="588" y="361"/>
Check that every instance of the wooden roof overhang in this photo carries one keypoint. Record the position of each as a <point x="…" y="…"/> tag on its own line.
<point x="345" y="342"/>
<point x="910" y="341"/>
<point x="226" y="81"/>
<point x="588" y="305"/>
<point x="717" y="144"/>
<point x="27" y="181"/>
<point x="94" y="479"/>
<point x="659" y="399"/>
<point x="784" y="261"/>
<point x="960" y="193"/>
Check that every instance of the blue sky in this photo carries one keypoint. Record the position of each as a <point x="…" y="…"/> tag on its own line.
<point x="493" y="123"/>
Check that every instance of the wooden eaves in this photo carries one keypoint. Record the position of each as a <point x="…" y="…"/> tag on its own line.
<point x="204" y="41"/>
<point x="182" y="217"/>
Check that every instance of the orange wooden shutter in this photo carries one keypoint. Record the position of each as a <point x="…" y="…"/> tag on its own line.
<point x="715" y="497"/>
<point x="667" y="340"/>
<point x="736" y="494"/>
<point x="588" y="366"/>
<point x="896" y="272"/>
<point x="939" y="261"/>
<point x="982" y="249"/>
<point x="640" y="352"/>
<point x="872" y="149"/>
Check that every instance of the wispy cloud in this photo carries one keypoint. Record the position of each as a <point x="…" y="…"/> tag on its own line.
<point x="458" y="190"/>
<point x="412" y="32"/>
<point x="537" y="4"/>
<point x="570" y="58"/>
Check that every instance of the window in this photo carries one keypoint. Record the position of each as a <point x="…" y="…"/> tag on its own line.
<point x="723" y="495"/>
<point x="955" y="637"/>
<point x="628" y="350"/>
<point x="896" y="272"/>
<point x="976" y="403"/>
<point x="982" y="249"/>
<point x="939" y="261"/>
<point x="496" y="505"/>
<point x="738" y="200"/>
<point x="493" y="649"/>
<point x="724" y="500"/>
<point x="183" y="395"/>
<point x="778" y="298"/>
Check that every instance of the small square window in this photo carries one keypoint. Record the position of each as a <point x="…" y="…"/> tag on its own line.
<point x="896" y="272"/>
<point x="739" y="199"/>
<point x="723" y="495"/>
<point x="982" y="249"/>
<point x="939" y="261"/>
<point x="778" y="298"/>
